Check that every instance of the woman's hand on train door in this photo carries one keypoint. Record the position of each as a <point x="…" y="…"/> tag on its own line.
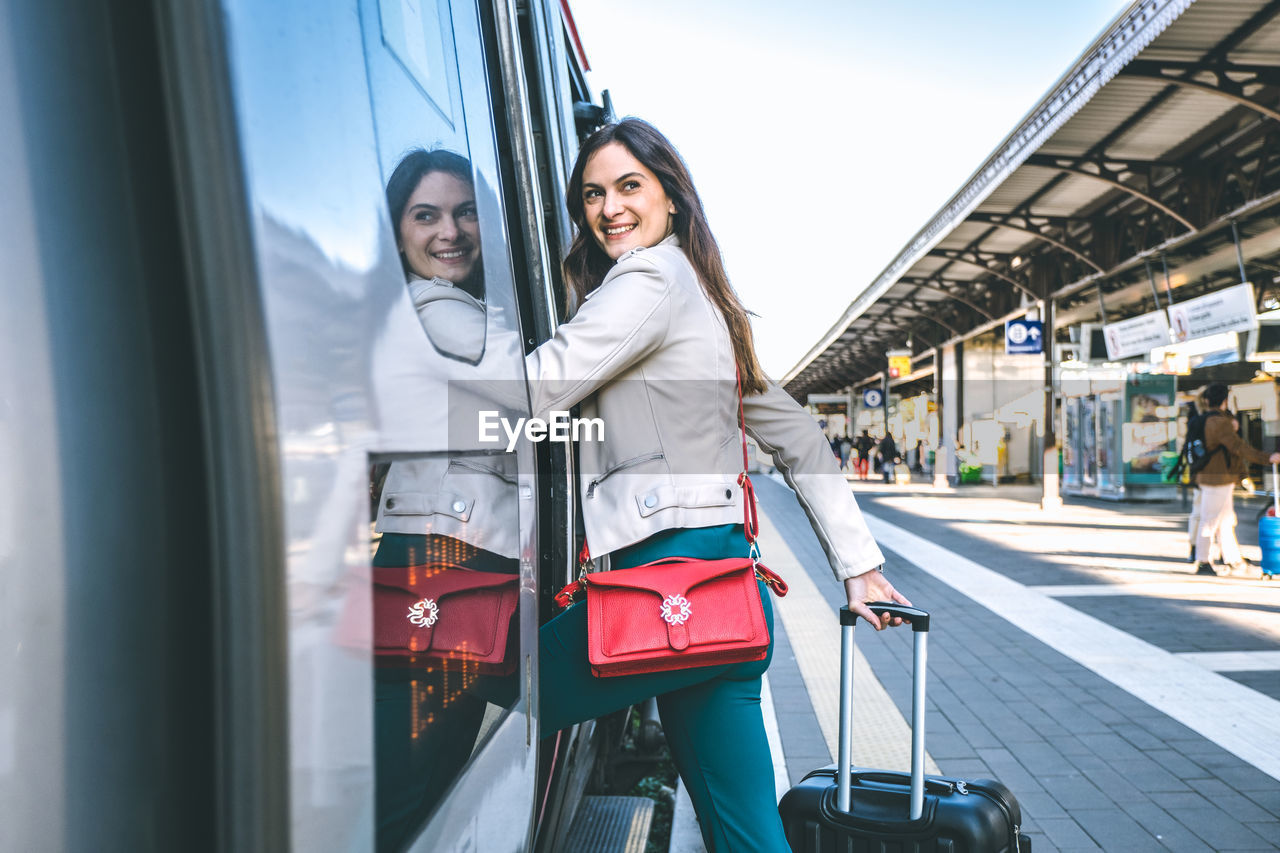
<point x="873" y="586"/>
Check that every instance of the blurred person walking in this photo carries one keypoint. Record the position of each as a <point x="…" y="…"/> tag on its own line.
<point x="1227" y="455"/>
<point x="888" y="453"/>
<point x="863" y="447"/>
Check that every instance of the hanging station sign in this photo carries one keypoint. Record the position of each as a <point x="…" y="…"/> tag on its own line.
<point x="1136" y="336"/>
<point x="1023" y="336"/>
<point x="899" y="363"/>
<point x="1229" y="310"/>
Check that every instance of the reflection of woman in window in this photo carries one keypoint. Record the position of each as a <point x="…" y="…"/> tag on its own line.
<point x="445" y="518"/>
<point x="433" y="204"/>
<point x="653" y="349"/>
<point x="432" y="199"/>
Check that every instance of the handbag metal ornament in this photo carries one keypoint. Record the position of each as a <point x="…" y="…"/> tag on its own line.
<point x="676" y="610"/>
<point x="425" y="613"/>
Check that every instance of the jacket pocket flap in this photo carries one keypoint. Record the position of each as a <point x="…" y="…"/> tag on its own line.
<point x="665" y="497"/>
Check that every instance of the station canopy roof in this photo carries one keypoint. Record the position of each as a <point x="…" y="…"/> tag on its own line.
<point x="1129" y="177"/>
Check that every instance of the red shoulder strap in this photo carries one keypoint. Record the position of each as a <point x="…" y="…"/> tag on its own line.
<point x="750" y="520"/>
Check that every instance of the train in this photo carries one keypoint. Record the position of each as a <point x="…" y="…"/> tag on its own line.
<point x="218" y="391"/>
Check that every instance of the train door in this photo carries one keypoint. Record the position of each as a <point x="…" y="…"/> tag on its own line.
<point x="391" y="335"/>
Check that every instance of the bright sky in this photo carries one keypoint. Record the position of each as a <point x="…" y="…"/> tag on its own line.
<point x="823" y="134"/>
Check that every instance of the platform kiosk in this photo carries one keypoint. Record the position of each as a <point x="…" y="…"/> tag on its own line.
<point x="1119" y="434"/>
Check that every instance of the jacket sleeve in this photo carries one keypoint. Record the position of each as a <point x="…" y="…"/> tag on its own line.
<point x="620" y="323"/>
<point x="1220" y="431"/>
<point x="785" y="430"/>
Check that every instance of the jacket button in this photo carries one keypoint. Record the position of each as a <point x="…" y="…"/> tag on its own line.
<point x="728" y="493"/>
<point x="391" y="503"/>
<point x="650" y="501"/>
<point x="459" y="506"/>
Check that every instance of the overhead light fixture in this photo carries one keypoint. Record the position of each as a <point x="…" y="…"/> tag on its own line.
<point x="1016" y="262"/>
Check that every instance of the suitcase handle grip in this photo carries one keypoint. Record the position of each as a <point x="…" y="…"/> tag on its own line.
<point x="918" y="618"/>
<point x="888" y="777"/>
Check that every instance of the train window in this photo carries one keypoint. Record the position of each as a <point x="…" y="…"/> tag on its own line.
<point x="449" y="657"/>
<point x="390" y="308"/>
<point x="412" y="31"/>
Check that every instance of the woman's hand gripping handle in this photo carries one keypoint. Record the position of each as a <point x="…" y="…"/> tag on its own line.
<point x="873" y="586"/>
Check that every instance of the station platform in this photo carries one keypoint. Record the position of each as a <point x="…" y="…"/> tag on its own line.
<point x="1129" y="704"/>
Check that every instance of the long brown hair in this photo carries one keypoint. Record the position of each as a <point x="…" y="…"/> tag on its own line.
<point x="586" y="264"/>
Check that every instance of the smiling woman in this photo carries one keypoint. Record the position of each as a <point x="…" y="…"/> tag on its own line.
<point x="660" y="348"/>
<point x="623" y="202"/>
<point x="432" y="196"/>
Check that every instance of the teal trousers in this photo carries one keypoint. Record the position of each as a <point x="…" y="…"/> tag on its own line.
<point x="711" y="715"/>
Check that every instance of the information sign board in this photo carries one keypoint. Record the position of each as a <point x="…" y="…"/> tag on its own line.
<point x="1136" y="336"/>
<point x="1023" y="336"/>
<point x="899" y="363"/>
<point x="1229" y="310"/>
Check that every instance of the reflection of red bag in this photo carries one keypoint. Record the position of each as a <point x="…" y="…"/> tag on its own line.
<point x="676" y="613"/>
<point x="444" y="612"/>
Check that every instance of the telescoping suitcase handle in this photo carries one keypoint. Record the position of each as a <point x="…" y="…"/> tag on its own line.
<point x="919" y="620"/>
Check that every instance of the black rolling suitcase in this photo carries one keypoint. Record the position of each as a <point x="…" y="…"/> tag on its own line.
<point x="849" y="810"/>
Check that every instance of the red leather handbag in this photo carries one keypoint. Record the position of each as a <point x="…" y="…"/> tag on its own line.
<point x="439" y="611"/>
<point x="679" y="612"/>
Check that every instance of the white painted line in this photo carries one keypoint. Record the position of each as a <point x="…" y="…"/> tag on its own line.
<point x="1234" y="661"/>
<point x="781" y="779"/>
<point x="1219" y="709"/>
<point x="1206" y="588"/>
<point x="881" y="736"/>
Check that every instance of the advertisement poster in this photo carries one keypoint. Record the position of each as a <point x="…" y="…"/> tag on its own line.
<point x="1149" y="436"/>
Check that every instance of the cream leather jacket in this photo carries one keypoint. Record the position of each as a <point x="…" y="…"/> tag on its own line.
<point x="650" y="355"/>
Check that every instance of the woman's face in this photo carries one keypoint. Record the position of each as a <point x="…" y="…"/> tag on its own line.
<point x="623" y="202"/>
<point x="439" y="234"/>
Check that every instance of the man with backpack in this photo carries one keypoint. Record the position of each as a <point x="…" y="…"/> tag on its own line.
<point x="1218" y="464"/>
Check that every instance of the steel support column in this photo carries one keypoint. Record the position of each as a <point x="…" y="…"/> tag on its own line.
<point x="1051" y="498"/>
<point x="941" y="447"/>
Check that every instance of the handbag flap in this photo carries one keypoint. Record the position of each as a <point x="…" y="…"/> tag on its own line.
<point x="674" y="603"/>
<point x="672" y="576"/>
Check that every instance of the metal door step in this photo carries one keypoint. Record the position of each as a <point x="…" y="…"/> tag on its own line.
<point x="610" y="825"/>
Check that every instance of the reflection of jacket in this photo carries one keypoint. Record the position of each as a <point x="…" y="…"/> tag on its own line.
<point x="467" y="497"/>
<point x="650" y="355"/>
<point x="430" y="387"/>
<point x="1224" y="470"/>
